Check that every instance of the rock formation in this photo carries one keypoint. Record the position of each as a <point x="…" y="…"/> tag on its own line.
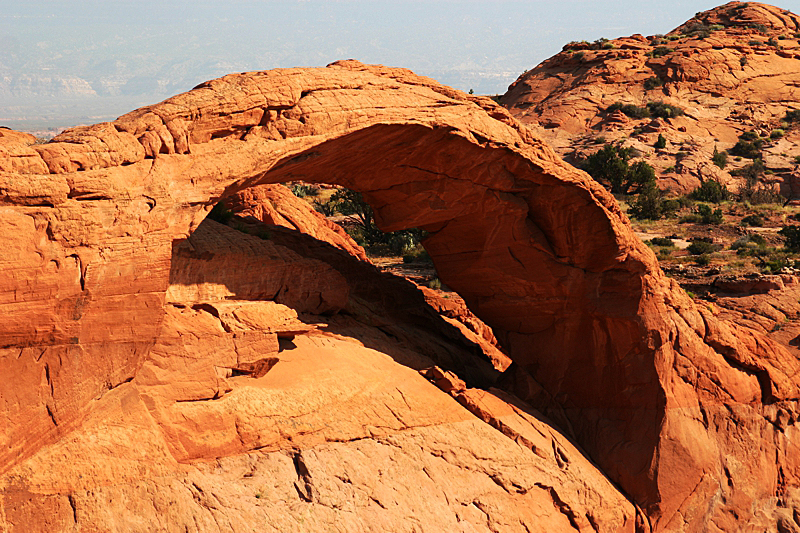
<point x="732" y="69"/>
<point x="220" y="398"/>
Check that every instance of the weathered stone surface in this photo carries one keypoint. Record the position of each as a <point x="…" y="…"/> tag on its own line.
<point x="674" y="405"/>
<point x="742" y="77"/>
<point x="275" y="204"/>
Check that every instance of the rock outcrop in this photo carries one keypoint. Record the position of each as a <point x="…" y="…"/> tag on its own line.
<point x="111" y="339"/>
<point x="732" y="70"/>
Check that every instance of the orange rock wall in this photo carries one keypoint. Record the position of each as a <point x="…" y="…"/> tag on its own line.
<point x="674" y="405"/>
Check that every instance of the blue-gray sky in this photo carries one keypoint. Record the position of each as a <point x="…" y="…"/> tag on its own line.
<point x="89" y="60"/>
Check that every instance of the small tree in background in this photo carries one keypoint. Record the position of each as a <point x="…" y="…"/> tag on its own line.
<point x="661" y="143"/>
<point x="710" y="191"/>
<point x="610" y="165"/>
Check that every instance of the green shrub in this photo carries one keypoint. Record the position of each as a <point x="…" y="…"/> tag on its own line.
<point x="748" y="136"/>
<point x="792" y="116"/>
<point x="750" y="150"/>
<point x="755" y="221"/>
<point x="711" y="190"/>
<point x="662" y="241"/>
<point x="435" y="283"/>
<point x="610" y="165"/>
<point x="703" y="260"/>
<point x="700" y="248"/>
<point x="669" y="169"/>
<point x="708" y="216"/>
<point x="661" y="143"/>
<point x="662" y="110"/>
<point x="749" y="242"/>
<point x="690" y="219"/>
<point x="720" y="158"/>
<point x="776" y="134"/>
<point x="660" y="51"/>
<point x="326" y="208"/>
<point x="630" y="110"/>
<point x="649" y="203"/>
<point x="652" y="83"/>
<point x="791" y="237"/>
<point x="752" y="171"/>
<point x="367" y="234"/>
<point x="743" y="61"/>
<point x="301" y="190"/>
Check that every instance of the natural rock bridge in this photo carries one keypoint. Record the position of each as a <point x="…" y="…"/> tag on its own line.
<point x="692" y="417"/>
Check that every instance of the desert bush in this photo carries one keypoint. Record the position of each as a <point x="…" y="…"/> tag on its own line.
<point x="708" y="216"/>
<point x="326" y="208"/>
<point x="776" y="134"/>
<point x="302" y="190"/>
<point x="700" y="247"/>
<point x="649" y="203"/>
<point x="791" y="237"/>
<point x="792" y="116"/>
<point x="750" y="150"/>
<point x="755" y="221"/>
<point x="610" y="165"/>
<point x="692" y="218"/>
<point x="703" y="260"/>
<point x="367" y="234"/>
<point x="660" y="51"/>
<point x="652" y="83"/>
<point x="630" y="110"/>
<point x="662" y="110"/>
<point x="662" y="241"/>
<point x="711" y="190"/>
<point x="719" y="158"/>
<point x="661" y="143"/>
<point x="748" y="242"/>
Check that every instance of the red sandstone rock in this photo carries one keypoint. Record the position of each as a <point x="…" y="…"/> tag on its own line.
<point x="275" y="204"/>
<point x="742" y="77"/>
<point x="676" y="406"/>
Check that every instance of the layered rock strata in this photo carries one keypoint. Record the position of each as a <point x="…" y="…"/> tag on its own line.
<point x="681" y="410"/>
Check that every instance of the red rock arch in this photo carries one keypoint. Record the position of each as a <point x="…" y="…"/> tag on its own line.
<point x="643" y="378"/>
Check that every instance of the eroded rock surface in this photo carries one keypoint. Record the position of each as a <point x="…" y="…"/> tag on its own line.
<point x="675" y="406"/>
<point x="732" y="69"/>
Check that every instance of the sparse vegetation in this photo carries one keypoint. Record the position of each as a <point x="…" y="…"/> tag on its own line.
<point x="610" y="165"/>
<point x="700" y="248"/>
<point x="750" y="150"/>
<point x="653" y="109"/>
<point x="660" y="51"/>
<point x="661" y="143"/>
<point x="301" y="190"/>
<point x="792" y="116"/>
<point x="662" y="241"/>
<point x="710" y="190"/>
<point x="720" y="158"/>
<point x="367" y="234"/>
<point x="652" y="83"/>
<point x="753" y="220"/>
<point x="791" y="237"/>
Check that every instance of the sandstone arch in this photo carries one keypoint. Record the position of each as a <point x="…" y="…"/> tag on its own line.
<point x="646" y="381"/>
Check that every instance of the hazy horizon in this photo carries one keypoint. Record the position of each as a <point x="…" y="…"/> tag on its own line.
<point x="64" y="63"/>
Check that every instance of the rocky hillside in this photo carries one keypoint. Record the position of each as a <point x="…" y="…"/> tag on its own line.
<point x="169" y="373"/>
<point x="728" y="72"/>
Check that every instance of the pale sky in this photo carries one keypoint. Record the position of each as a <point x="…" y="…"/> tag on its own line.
<point x="130" y="53"/>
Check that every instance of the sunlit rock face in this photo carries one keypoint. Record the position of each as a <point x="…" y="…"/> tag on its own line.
<point x="115" y="340"/>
